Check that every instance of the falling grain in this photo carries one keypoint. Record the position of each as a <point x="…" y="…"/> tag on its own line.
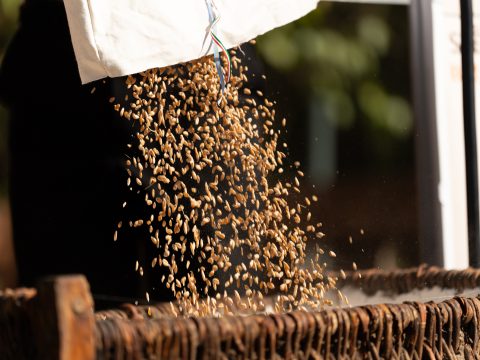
<point x="202" y="162"/>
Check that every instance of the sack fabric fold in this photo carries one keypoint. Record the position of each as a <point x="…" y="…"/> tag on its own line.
<point x="113" y="38"/>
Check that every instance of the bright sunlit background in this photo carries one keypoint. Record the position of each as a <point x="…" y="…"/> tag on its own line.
<point x="341" y="76"/>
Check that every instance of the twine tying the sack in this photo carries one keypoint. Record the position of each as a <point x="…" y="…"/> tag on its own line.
<point x="214" y="18"/>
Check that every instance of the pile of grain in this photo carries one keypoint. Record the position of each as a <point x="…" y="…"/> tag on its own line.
<point x="203" y="161"/>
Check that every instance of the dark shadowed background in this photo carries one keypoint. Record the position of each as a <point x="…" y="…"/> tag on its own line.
<point x="341" y="76"/>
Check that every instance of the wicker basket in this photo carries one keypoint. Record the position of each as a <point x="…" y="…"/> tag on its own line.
<point x="56" y="322"/>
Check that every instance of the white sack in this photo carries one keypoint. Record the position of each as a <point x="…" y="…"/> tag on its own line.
<point x="120" y="37"/>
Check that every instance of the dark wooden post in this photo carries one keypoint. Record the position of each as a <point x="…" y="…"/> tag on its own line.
<point x="427" y="145"/>
<point x="63" y="320"/>
<point x="471" y="153"/>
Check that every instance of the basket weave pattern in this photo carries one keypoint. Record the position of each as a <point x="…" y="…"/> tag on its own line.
<point x="449" y="330"/>
<point x="413" y="330"/>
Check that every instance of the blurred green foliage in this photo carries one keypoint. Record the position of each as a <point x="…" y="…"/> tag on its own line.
<point x="9" y="10"/>
<point x="347" y="55"/>
<point x="8" y="23"/>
